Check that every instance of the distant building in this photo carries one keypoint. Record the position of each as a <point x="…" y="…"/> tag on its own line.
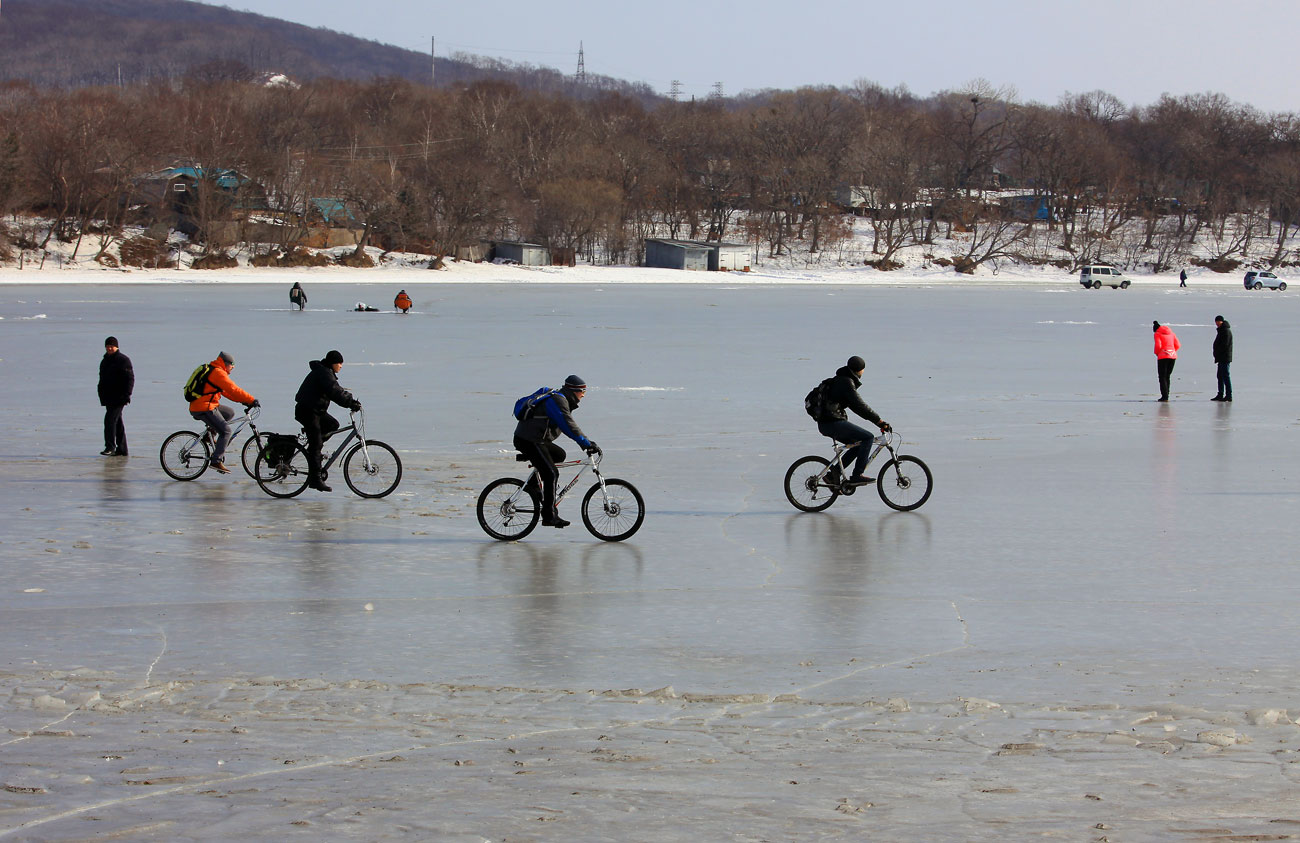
<point x="524" y="254"/>
<point x="677" y="254"/>
<point x="700" y="255"/>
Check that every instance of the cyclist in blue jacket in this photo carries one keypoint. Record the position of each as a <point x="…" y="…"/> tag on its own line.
<point x="537" y="431"/>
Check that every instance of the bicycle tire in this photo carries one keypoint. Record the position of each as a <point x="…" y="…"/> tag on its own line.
<point x="801" y="486"/>
<point x="617" y="514"/>
<point x="902" y="488"/>
<point x="184" y="455"/>
<point x="377" y="479"/>
<point x="253" y="447"/>
<point x="502" y="513"/>
<point x="284" y="479"/>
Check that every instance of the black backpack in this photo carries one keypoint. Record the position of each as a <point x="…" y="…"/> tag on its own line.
<point x="817" y="401"/>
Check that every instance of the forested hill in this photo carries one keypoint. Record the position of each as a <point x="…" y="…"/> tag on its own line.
<point x="73" y="43"/>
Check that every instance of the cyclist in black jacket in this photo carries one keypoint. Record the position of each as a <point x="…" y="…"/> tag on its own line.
<point x="311" y="409"/>
<point x="842" y="395"/>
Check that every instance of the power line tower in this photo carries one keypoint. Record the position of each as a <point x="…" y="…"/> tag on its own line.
<point x="581" y="76"/>
<point x="717" y="90"/>
<point x="675" y="90"/>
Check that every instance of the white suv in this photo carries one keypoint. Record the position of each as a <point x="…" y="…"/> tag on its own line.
<point x="1258" y="280"/>
<point x="1096" y="276"/>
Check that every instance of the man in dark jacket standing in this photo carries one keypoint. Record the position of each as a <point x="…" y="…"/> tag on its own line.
<point x="842" y="395"/>
<point x="311" y="409"/>
<point x="1223" y="357"/>
<point x="535" y="438"/>
<point x="116" y="382"/>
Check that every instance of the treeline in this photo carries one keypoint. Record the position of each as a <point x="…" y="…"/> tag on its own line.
<point x="429" y="170"/>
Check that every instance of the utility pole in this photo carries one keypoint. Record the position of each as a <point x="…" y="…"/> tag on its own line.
<point x="433" y="62"/>
<point x="581" y="76"/>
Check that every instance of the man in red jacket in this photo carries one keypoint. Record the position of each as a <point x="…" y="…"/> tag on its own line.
<point x="1167" y="346"/>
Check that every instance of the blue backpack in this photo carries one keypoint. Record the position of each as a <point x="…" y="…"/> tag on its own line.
<point x="524" y="406"/>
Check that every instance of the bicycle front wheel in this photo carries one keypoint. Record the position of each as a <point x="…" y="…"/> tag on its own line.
<point x="184" y="455"/>
<point x="283" y="476"/>
<point x="505" y="511"/>
<point x="372" y="471"/>
<point x="802" y="487"/>
<point x="253" y="447"/>
<point x="905" y="483"/>
<point x="616" y="514"/>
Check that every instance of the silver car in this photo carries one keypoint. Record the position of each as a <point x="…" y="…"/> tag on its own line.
<point x="1259" y="279"/>
<point x="1097" y="276"/>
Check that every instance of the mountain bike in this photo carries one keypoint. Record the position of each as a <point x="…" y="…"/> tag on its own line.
<point x="509" y="508"/>
<point x="371" y="468"/>
<point x="814" y="483"/>
<point x="185" y="454"/>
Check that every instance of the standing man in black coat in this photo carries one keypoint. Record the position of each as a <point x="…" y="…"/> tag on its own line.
<point x="116" y="382"/>
<point x="1223" y="357"/>
<point x="311" y="409"/>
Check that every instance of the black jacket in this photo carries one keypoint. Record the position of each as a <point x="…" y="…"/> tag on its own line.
<point x="551" y="417"/>
<point x="116" y="380"/>
<point x="1223" y="343"/>
<point x="320" y="387"/>
<point x="843" y="395"/>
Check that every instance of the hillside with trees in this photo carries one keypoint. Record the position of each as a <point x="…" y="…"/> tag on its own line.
<point x="964" y="178"/>
<point x="77" y="43"/>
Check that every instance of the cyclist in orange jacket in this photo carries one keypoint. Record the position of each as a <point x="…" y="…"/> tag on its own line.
<point x="208" y="409"/>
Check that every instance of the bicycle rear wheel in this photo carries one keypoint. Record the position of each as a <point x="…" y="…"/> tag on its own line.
<point x="616" y="514"/>
<point x="905" y="483"/>
<point x="253" y="447"/>
<point x="802" y="487"/>
<point x="283" y="476"/>
<point x="374" y="471"/>
<point x="184" y="455"/>
<point x="505" y="511"/>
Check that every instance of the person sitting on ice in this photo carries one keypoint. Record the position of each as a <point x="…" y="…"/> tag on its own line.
<point x="362" y="307"/>
<point x="402" y="302"/>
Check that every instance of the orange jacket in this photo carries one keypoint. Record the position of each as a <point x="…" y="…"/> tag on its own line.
<point x="219" y="384"/>
<point x="1167" y="344"/>
<point x="402" y="302"/>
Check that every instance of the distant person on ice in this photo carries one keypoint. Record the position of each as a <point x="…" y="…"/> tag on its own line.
<point x="362" y="307"/>
<point x="1182" y="278"/>
<point x="1167" y="346"/>
<point x="116" y="382"/>
<point x="1222" y="358"/>
<point x="402" y="302"/>
<point x="297" y="296"/>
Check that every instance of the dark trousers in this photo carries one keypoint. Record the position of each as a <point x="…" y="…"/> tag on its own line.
<point x="543" y="456"/>
<point x="317" y="426"/>
<point x="1225" y="382"/>
<point x="1164" y="369"/>
<point x="842" y="430"/>
<point x="114" y="430"/>
<point x="218" y="420"/>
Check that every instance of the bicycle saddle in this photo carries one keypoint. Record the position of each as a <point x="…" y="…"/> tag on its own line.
<point x="520" y="458"/>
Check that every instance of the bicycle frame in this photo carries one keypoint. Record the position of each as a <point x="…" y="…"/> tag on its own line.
<point x="592" y="462"/>
<point x="355" y="430"/>
<point x="885" y="441"/>
<point x="238" y="425"/>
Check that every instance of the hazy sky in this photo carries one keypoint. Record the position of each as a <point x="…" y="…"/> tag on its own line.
<point x="1134" y="49"/>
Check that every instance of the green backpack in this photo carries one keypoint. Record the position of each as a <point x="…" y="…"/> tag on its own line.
<point x="198" y="382"/>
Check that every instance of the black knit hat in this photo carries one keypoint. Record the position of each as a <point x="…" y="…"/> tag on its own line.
<point x="1216" y="319"/>
<point x="575" y="382"/>
<point x="333" y="357"/>
<point x="110" y="341"/>
<point x="1155" y="326"/>
<point x="857" y="364"/>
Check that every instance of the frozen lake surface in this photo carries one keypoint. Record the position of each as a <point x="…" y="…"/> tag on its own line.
<point x="1088" y="632"/>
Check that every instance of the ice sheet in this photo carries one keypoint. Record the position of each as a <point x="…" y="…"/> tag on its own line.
<point x="1090" y="626"/>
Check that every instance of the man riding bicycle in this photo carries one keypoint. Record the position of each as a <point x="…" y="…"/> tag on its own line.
<point x="535" y="438"/>
<point x="841" y="395"/>
<point x="208" y="409"/>
<point x="311" y="409"/>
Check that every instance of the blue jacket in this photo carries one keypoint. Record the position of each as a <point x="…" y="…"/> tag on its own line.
<point x="551" y="417"/>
